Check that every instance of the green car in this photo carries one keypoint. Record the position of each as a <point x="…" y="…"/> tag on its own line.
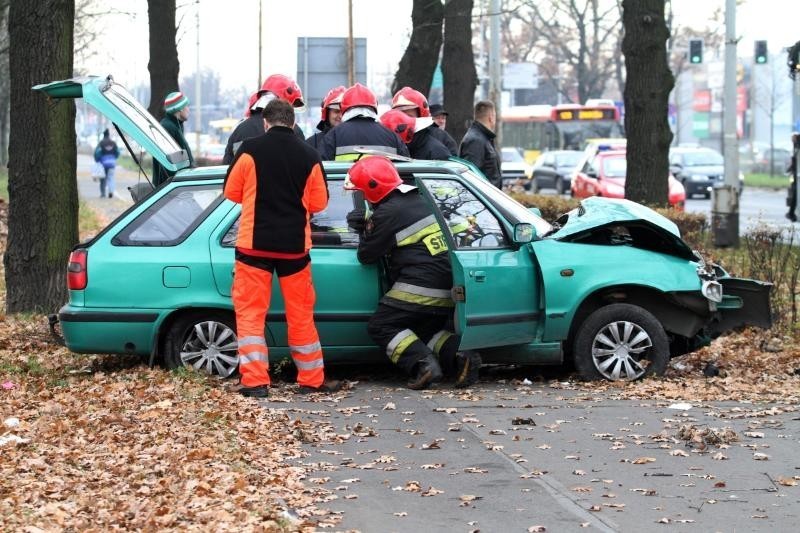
<point x="610" y="286"/>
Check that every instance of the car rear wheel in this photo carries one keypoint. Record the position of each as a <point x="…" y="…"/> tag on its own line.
<point x="621" y="342"/>
<point x="559" y="186"/>
<point x="204" y="341"/>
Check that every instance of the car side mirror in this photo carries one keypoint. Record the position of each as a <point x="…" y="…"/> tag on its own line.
<point x="536" y="211"/>
<point x="524" y="233"/>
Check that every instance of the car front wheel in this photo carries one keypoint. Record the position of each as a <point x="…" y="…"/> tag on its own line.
<point x="204" y="341"/>
<point x="621" y="342"/>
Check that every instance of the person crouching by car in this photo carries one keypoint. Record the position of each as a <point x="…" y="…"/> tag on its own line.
<point x="279" y="180"/>
<point x="411" y="322"/>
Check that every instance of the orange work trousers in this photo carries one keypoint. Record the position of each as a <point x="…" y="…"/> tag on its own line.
<point x="251" y="293"/>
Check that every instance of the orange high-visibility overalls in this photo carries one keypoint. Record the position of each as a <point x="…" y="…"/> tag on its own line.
<point x="279" y="180"/>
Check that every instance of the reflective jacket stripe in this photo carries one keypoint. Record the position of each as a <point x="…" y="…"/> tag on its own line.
<point x="404" y="236"/>
<point x="306" y="348"/>
<point x="399" y="343"/>
<point x="421" y="291"/>
<point x="252" y="357"/>
<point x="344" y="150"/>
<point x="420" y="300"/>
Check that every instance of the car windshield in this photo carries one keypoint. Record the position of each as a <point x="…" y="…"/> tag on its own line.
<point x="700" y="159"/>
<point x="568" y="159"/>
<point x="508" y="205"/>
<point x="615" y="167"/>
<point x="512" y="155"/>
<point x="576" y="132"/>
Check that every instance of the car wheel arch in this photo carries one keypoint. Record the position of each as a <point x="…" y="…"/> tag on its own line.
<point x="169" y="321"/>
<point x="676" y="320"/>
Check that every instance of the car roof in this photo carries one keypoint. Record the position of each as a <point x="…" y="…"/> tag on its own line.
<point x="334" y="167"/>
<point x="612" y="153"/>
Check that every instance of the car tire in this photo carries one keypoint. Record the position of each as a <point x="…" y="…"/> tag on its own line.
<point x="533" y="186"/>
<point x="559" y="186"/>
<point x="205" y="341"/>
<point x="622" y="327"/>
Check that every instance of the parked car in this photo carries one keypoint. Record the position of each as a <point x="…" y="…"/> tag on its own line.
<point x="610" y="285"/>
<point x="553" y="170"/>
<point x="211" y="154"/>
<point x="698" y="169"/>
<point x="778" y="159"/>
<point x="605" y="174"/>
<point x="513" y="168"/>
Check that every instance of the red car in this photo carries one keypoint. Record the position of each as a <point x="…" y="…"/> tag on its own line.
<point x="604" y="175"/>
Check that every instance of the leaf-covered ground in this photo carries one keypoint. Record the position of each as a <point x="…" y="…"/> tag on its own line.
<point x="97" y="443"/>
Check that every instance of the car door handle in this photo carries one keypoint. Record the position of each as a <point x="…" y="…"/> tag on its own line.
<point x="479" y="275"/>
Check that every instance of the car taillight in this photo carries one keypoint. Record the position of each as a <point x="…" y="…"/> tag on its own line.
<point x="76" y="270"/>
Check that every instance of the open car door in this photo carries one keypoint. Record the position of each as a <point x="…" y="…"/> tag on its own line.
<point x="115" y="103"/>
<point x="495" y="286"/>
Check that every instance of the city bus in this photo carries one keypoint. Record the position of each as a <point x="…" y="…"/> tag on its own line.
<point x="538" y="128"/>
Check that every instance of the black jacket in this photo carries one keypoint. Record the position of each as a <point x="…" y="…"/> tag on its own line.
<point x="175" y="128"/>
<point x="445" y="138"/>
<point x="478" y="148"/>
<point x="252" y="126"/>
<point x="425" y="146"/>
<point x="315" y="139"/>
<point x="403" y="228"/>
<point x="339" y="142"/>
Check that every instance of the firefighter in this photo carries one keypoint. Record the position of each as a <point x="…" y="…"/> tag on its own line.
<point x="330" y="118"/>
<point x="275" y="86"/>
<point x="279" y="180"/>
<point x="416" y="133"/>
<point x="414" y="103"/>
<point x="411" y="321"/>
<point x="359" y="129"/>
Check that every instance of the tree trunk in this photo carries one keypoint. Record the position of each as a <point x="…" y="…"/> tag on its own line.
<point x="647" y="87"/>
<point x="458" y="66"/>
<point x="419" y="60"/>
<point x="4" y="82"/>
<point x="43" y="194"/>
<point x="163" y="64"/>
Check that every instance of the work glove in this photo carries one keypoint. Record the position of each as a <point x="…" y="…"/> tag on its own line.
<point x="357" y="219"/>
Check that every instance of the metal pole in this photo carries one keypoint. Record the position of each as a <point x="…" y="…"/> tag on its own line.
<point x="260" y="18"/>
<point x="351" y="71"/>
<point x="198" y="89"/>
<point x="495" y="75"/>
<point x="725" y="206"/>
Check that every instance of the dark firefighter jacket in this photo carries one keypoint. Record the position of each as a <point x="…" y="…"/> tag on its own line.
<point x="403" y="228"/>
<point x="315" y="139"/>
<point x="425" y="146"/>
<point x="339" y="143"/>
<point x="252" y="126"/>
<point x="445" y="138"/>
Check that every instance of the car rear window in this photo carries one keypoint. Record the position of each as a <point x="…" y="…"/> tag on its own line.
<point x="172" y="218"/>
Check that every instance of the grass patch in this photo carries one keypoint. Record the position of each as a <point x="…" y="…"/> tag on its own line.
<point x="4" y="184"/>
<point x="88" y="221"/>
<point x="765" y="180"/>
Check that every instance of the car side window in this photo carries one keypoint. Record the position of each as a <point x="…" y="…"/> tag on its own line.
<point x="469" y="220"/>
<point x="172" y="218"/>
<point x="328" y="227"/>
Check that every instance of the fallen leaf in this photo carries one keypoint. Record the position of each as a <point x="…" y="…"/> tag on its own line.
<point x="719" y="456"/>
<point x="582" y="489"/>
<point x="431" y="446"/>
<point x="786" y="481"/>
<point x="432" y="466"/>
<point x="758" y="456"/>
<point x="401" y="514"/>
<point x="389" y="406"/>
<point x="432" y="492"/>
<point x="536" y="529"/>
<point x="678" y="453"/>
<point x="643" y="460"/>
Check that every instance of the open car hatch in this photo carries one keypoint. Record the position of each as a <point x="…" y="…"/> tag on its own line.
<point x="115" y="103"/>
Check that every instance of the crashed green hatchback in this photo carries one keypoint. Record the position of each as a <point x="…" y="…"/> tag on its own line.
<point x="610" y="286"/>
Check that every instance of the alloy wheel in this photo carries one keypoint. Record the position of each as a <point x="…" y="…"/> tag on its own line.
<point x="619" y="349"/>
<point x="211" y="347"/>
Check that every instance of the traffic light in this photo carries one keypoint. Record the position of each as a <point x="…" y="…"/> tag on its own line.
<point x="695" y="51"/>
<point x="761" y="52"/>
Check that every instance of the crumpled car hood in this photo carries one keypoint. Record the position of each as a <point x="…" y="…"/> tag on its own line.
<point x="616" y="221"/>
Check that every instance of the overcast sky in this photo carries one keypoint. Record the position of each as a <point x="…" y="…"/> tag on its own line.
<point x="229" y="34"/>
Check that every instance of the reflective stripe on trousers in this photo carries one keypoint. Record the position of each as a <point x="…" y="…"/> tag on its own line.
<point x="251" y="294"/>
<point x="399" y="343"/>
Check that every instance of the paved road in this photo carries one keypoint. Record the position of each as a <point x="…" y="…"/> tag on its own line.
<point x="89" y="190"/>
<point x="755" y="206"/>
<point x="383" y="447"/>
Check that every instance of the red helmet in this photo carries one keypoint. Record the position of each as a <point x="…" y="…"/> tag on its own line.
<point x="358" y="96"/>
<point x="284" y="88"/>
<point x="408" y="98"/>
<point x="375" y="176"/>
<point x="251" y="103"/>
<point x="332" y="99"/>
<point x="399" y="123"/>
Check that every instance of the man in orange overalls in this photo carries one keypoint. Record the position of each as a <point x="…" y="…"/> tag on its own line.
<point x="279" y="180"/>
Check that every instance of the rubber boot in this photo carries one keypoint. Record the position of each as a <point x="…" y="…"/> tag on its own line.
<point x="427" y="371"/>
